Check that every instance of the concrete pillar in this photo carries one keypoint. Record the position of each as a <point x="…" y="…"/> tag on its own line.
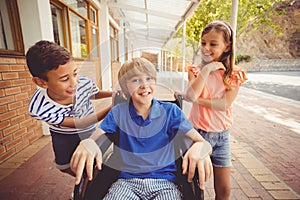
<point x="122" y="43"/>
<point x="183" y="54"/>
<point x="36" y="21"/>
<point x="105" y="47"/>
<point x="234" y="15"/>
<point x="165" y="60"/>
<point x="159" y="61"/>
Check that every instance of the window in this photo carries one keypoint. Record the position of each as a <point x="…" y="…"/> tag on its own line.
<point x="11" y="41"/>
<point x="58" y="27"/>
<point x="93" y="15"/>
<point x="95" y="47"/>
<point x="78" y="35"/>
<point x="94" y="32"/>
<point x="75" y="27"/>
<point x="114" y="43"/>
<point x="80" y="6"/>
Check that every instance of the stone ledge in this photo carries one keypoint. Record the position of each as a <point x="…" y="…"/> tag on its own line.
<point x="272" y="65"/>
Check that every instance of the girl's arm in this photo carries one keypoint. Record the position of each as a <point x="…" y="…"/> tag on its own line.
<point x="220" y="104"/>
<point x="73" y="122"/>
<point x="196" y="84"/>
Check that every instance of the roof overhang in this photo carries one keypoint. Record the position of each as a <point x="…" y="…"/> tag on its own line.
<point x="150" y="24"/>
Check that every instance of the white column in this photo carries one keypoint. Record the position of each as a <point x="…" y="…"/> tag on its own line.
<point x="159" y="61"/>
<point x="171" y="63"/>
<point x="183" y="54"/>
<point x="105" y="47"/>
<point x="165" y="60"/>
<point x="233" y="19"/>
<point x="234" y="14"/>
<point x="36" y="21"/>
<point x="36" y="24"/>
<point x="122" y="43"/>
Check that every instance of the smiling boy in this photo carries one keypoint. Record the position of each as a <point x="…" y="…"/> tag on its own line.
<point x="147" y="129"/>
<point x="62" y="99"/>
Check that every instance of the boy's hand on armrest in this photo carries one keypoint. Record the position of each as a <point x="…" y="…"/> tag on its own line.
<point x="84" y="156"/>
<point x="197" y="157"/>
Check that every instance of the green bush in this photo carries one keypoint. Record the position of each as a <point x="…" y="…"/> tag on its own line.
<point x="242" y="58"/>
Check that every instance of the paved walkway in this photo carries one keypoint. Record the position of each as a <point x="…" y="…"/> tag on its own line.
<point x="31" y="174"/>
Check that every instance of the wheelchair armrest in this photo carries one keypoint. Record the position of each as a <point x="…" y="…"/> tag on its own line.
<point x="189" y="190"/>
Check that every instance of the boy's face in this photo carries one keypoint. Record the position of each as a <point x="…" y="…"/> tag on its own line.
<point x="141" y="89"/>
<point x="62" y="83"/>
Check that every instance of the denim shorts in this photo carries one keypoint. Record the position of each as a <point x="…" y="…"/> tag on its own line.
<point x="221" y="156"/>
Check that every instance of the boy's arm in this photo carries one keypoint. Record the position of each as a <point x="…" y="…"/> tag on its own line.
<point x="85" y="154"/>
<point x="197" y="156"/>
<point x="102" y="94"/>
<point x="73" y="122"/>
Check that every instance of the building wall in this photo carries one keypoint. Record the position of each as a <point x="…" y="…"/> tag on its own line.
<point x="17" y="128"/>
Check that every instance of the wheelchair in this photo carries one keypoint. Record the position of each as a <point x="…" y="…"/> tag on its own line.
<point x="103" y="179"/>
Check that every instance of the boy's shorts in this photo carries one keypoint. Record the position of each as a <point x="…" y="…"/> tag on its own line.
<point x="143" y="188"/>
<point x="221" y="156"/>
<point x="64" y="146"/>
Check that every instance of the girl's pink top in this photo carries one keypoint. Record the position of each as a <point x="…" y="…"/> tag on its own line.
<point x="209" y="119"/>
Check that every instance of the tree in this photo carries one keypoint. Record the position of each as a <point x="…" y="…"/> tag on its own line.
<point x="254" y="12"/>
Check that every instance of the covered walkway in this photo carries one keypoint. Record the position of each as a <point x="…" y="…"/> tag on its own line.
<point x="31" y="174"/>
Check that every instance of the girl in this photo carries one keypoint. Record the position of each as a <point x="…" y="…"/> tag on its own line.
<point x="213" y="86"/>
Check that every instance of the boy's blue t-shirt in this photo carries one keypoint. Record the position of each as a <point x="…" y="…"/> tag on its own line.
<point x="147" y="148"/>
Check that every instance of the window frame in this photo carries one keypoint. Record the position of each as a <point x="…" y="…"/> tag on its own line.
<point x="64" y="23"/>
<point x="114" y="44"/>
<point x="66" y="11"/>
<point x="14" y="19"/>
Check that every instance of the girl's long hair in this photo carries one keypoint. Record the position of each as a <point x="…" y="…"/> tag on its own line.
<point x="228" y="57"/>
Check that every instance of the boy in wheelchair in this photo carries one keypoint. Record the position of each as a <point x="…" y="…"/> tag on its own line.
<point x="147" y="130"/>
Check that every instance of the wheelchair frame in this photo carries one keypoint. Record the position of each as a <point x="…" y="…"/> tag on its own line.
<point x="103" y="179"/>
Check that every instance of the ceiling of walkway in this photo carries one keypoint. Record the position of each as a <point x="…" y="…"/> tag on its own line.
<point x="151" y="23"/>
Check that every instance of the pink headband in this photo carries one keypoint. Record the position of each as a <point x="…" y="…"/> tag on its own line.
<point x="224" y="24"/>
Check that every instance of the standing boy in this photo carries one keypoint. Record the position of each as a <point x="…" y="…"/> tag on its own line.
<point x="62" y="99"/>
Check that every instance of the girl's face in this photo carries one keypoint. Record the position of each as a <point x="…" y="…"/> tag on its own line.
<point x="213" y="46"/>
<point x="141" y="89"/>
<point x="62" y="83"/>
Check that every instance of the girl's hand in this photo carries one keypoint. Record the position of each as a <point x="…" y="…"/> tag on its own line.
<point x="213" y="66"/>
<point x="194" y="70"/>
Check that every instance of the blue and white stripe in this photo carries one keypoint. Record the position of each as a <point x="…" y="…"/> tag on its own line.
<point x="42" y="107"/>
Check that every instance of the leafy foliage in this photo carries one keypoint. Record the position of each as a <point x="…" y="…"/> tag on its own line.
<point x="254" y="12"/>
<point x="242" y="58"/>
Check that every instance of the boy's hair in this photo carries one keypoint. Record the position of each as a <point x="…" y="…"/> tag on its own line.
<point x="134" y="67"/>
<point x="228" y="57"/>
<point x="44" y="56"/>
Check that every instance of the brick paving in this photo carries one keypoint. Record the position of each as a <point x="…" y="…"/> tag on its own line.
<point x="36" y="178"/>
<point x="270" y="134"/>
<point x="264" y="155"/>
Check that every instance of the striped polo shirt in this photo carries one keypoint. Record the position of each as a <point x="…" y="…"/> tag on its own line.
<point x="42" y="107"/>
